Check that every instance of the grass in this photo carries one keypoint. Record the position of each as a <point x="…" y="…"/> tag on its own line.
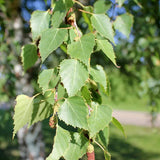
<point x="141" y="143"/>
<point x="131" y="103"/>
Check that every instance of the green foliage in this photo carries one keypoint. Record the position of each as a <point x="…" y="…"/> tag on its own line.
<point x="61" y="144"/>
<point x="101" y="116"/>
<point x="51" y="39"/>
<point x="29" y="111"/>
<point x="107" y="48"/>
<point x="99" y="75"/>
<point x="74" y="112"/>
<point x="39" y="22"/>
<point x="48" y="79"/>
<point x="101" y="6"/>
<point x="103" y="137"/>
<point x="73" y="74"/>
<point x="71" y="91"/>
<point x="82" y="49"/>
<point x="102" y="24"/>
<point x="118" y="125"/>
<point x="23" y="112"/>
<point x="29" y="55"/>
<point x="124" y="23"/>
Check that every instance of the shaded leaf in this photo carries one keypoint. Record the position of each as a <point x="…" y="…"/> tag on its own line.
<point x="41" y="111"/>
<point x="101" y="6"/>
<point x="118" y="125"/>
<point x="77" y="148"/>
<point x="96" y="97"/>
<point x="73" y="75"/>
<point x="86" y="94"/>
<point x="99" y="75"/>
<point x="61" y="91"/>
<point x="60" y="11"/>
<point x="48" y="79"/>
<point x="124" y="23"/>
<point x="103" y="25"/>
<point x="51" y="39"/>
<point x="87" y="17"/>
<point x="61" y="143"/>
<point x="57" y="18"/>
<point x="49" y="96"/>
<point x="82" y="49"/>
<point x="107" y="48"/>
<point x="29" y="55"/>
<point x="39" y="22"/>
<point x="107" y="155"/>
<point x="101" y="116"/>
<point x="74" y="112"/>
<point x="103" y="137"/>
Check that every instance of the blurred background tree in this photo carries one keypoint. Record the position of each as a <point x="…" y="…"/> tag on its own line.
<point x="138" y="56"/>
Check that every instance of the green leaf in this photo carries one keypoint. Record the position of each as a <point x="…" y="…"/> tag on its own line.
<point x="103" y="137"/>
<point x="107" y="155"/>
<point x="118" y="125"/>
<point x="108" y="87"/>
<point x="29" y="55"/>
<point x="86" y="94"/>
<point x="51" y="39"/>
<point x="100" y="117"/>
<point x="49" y="96"/>
<point x="39" y="22"/>
<point x="61" y="91"/>
<point x="48" y="79"/>
<point x="120" y="2"/>
<point x="82" y="49"/>
<point x="72" y="35"/>
<point x="87" y="17"/>
<point x="103" y="25"/>
<point x="41" y="111"/>
<point x="57" y="18"/>
<point x="124" y="23"/>
<point x="60" y="11"/>
<point x="99" y="75"/>
<point x="68" y="3"/>
<point x="107" y="48"/>
<point x="74" y="112"/>
<point x="30" y="110"/>
<point x="96" y="97"/>
<point x="101" y="6"/>
<point x="77" y="148"/>
<point x="23" y="112"/>
<point x="61" y="144"/>
<point x="62" y="5"/>
<point x="73" y="75"/>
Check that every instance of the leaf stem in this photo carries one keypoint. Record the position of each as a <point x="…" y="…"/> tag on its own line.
<point x="79" y="3"/>
<point x="66" y="28"/>
<point x="85" y="11"/>
<point x="99" y="145"/>
<point x="36" y="95"/>
<point x="60" y="99"/>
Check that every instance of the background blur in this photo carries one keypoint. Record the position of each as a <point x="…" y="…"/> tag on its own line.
<point x="135" y="87"/>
